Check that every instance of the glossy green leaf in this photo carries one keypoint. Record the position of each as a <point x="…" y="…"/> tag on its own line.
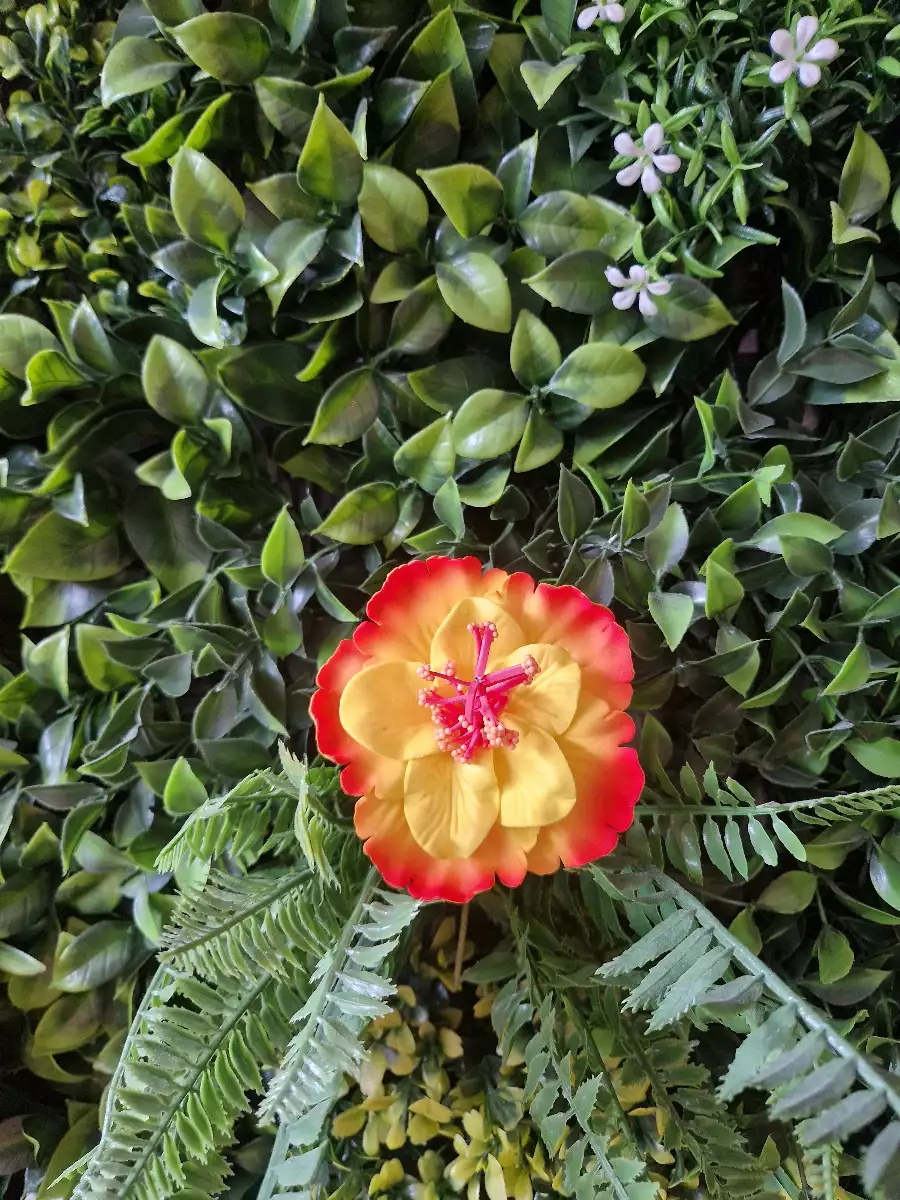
<point x="599" y="375"/>
<point x="174" y="382"/>
<point x="330" y="165"/>
<point x="475" y="289"/>
<point x="428" y="456"/>
<point x="673" y="613"/>
<point x="136" y="64"/>
<point x="347" y="409"/>
<point x="865" y="179"/>
<point x="282" y="558"/>
<point x="207" y="206"/>
<point x="575" y="282"/>
<point x="689" y="311"/>
<point x="470" y="195"/>
<point x="394" y="209"/>
<point x="363" y="515"/>
<point x="230" y="46"/>
<point x="491" y="422"/>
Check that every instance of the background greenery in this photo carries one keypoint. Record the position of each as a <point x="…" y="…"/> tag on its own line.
<point x="293" y="291"/>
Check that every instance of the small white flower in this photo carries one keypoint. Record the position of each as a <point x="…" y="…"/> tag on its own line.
<point x="636" y="286"/>
<point x="614" y="13"/>
<point x="796" y="57"/>
<point x="645" y="152"/>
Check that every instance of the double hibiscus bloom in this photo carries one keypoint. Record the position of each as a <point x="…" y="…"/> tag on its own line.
<point x="481" y="721"/>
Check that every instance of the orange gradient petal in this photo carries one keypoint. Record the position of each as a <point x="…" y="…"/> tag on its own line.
<point x="405" y="865"/>
<point x="366" y="717"/>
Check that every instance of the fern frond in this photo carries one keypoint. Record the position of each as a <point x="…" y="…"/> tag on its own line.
<point x="236" y="925"/>
<point x="710" y="824"/>
<point x="188" y="1067"/>
<point x="348" y="992"/>
<point x="793" y="1052"/>
<point x="254" y="816"/>
<point x="562" y="1095"/>
<point x="820" y="1168"/>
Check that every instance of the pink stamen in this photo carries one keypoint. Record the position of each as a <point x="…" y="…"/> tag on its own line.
<point x="470" y="720"/>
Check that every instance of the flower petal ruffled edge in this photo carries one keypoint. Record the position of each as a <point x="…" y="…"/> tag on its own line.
<point x="388" y="842"/>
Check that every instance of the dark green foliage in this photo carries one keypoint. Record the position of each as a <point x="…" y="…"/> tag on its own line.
<point x="291" y="293"/>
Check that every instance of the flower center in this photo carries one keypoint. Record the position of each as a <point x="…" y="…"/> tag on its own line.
<point x="469" y="720"/>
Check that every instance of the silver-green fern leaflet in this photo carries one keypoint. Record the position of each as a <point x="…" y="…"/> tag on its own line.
<point x="349" y="990"/>
<point x="188" y="1068"/>
<point x="708" y="824"/>
<point x="235" y="925"/>
<point x="814" y="1076"/>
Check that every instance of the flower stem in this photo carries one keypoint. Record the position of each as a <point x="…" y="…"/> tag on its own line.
<point x="461" y="947"/>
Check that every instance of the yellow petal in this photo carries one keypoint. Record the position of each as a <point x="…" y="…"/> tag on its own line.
<point x="550" y="700"/>
<point x="451" y="806"/>
<point x="454" y="641"/>
<point x="536" y="785"/>
<point x="380" y="710"/>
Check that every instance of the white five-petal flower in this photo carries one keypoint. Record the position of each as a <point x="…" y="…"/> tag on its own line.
<point x="614" y="13"/>
<point x="636" y="285"/>
<point x="648" y="160"/>
<point x="800" y="53"/>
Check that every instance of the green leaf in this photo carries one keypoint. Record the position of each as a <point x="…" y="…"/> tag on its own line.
<point x="282" y="557"/>
<point x="541" y="443"/>
<point x="394" y="209"/>
<point x="428" y="456"/>
<point x="290" y="248"/>
<point x="174" y="382"/>
<point x="575" y="506"/>
<point x="100" y="954"/>
<point x="135" y="64"/>
<point x="347" y="409"/>
<point x="843" y="1119"/>
<point x="420" y="321"/>
<point x="287" y="104"/>
<point x="184" y="792"/>
<point x="363" y="515"/>
<point x="330" y="165"/>
<point x="689" y="311"/>
<point x="665" y="545"/>
<point x="794" y="333"/>
<point x="559" y="222"/>
<point x="231" y="47"/>
<point x="673" y="613"/>
<point x="16" y="962"/>
<point x="835" y="955"/>
<point x="164" y="536"/>
<point x="884" y="871"/>
<point x="865" y="179"/>
<point x="801" y="525"/>
<point x="48" y="662"/>
<point x="575" y="282"/>
<point x="207" y="206"/>
<point x="475" y="289"/>
<point x="99" y="669"/>
<point x="515" y="172"/>
<point x="447" y="508"/>
<point x="470" y="195"/>
<point x="534" y="353"/>
<point x="296" y="18"/>
<point x="20" y="339"/>
<point x="881" y="757"/>
<point x="790" y="893"/>
<point x="543" y="80"/>
<point x="489" y="423"/>
<point x="49" y="373"/>
<point x="54" y="548"/>
<point x="854" y="673"/>
<point x="599" y="375"/>
<point x="882" y="1159"/>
